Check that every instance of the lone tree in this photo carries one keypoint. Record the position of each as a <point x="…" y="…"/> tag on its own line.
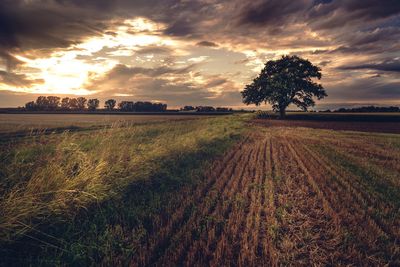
<point x="283" y="82"/>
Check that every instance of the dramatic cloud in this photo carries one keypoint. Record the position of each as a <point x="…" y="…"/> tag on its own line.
<point x="195" y="52"/>
<point x="17" y="80"/>
<point x="387" y="65"/>
<point x="272" y="12"/>
<point x="207" y="43"/>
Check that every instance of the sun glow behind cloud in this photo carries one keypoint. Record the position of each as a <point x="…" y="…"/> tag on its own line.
<point x="65" y="72"/>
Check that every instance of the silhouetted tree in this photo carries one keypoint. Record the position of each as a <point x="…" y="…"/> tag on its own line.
<point x="126" y="106"/>
<point x="42" y="103"/>
<point x="81" y="103"/>
<point x="188" y="108"/>
<point x="93" y="104"/>
<point x="65" y="103"/>
<point x="370" y="109"/>
<point x="141" y="106"/>
<point x="47" y="103"/>
<point x="110" y="104"/>
<point x="73" y="103"/>
<point x="53" y="102"/>
<point x="30" y="105"/>
<point x="283" y="82"/>
<point x="205" y="109"/>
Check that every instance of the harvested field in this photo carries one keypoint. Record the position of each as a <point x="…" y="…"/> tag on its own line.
<point x="288" y="196"/>
<point x="278" y="196"/>
<point x="22" y="122"/>
<point x="361" y="126"/>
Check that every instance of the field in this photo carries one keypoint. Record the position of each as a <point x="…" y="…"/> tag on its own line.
<point x="24" y="122"/>
<point x="345" y="116"/>
<point x="224" y="191"/>
<point x="360" y="126"/>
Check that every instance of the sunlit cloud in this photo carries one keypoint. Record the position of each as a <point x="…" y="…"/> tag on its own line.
<point x="64" y="73"/>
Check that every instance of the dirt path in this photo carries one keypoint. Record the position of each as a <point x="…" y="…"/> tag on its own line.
<point x="273" y="200"/>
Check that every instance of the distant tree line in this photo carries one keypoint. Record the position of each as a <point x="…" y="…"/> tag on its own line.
<point x="206" y="109"/>
<point x="141" y="106"/>
<point x="367" y="109"/>
<point x="53" y="103"/>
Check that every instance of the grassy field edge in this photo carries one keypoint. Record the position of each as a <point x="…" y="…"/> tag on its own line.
<point x="176" y="155"/>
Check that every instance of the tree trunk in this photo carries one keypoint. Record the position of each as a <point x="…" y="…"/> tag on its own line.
<point x="282" y="113"/>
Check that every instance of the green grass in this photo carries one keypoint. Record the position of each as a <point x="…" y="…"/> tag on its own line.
<point x="85" y="198"/>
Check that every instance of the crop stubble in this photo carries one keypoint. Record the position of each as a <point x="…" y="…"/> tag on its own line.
<point x="276" y="199"/>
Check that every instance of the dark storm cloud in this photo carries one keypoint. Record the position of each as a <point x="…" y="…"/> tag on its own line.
<point x="180" y="28"/>
<point x="392" y="65"/>
<point x="375" y="41"/>
<point x="60" y="23"/>
<point x="378" y="35"/>
<point x="46" y="24"/>
<point x="350" y="13"/>
<point x="272" y="12"/>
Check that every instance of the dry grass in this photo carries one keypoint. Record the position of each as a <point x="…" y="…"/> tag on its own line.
<point x="47" y="176"/>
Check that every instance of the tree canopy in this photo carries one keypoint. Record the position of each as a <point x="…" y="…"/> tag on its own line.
<point x="93" y="104"/>
<point x="285" y="81"/>
<point x="110" y="104"/>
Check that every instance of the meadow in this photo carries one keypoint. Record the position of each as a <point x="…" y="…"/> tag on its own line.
<point x="215" y="191"/>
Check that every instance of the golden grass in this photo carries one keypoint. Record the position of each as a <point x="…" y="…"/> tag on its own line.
<point x="77" y="169"/>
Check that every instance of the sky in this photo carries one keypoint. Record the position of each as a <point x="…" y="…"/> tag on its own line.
<point x="195" y="52"/>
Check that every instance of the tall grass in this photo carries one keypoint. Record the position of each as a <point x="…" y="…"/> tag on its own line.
<point x="55" y="177"/>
